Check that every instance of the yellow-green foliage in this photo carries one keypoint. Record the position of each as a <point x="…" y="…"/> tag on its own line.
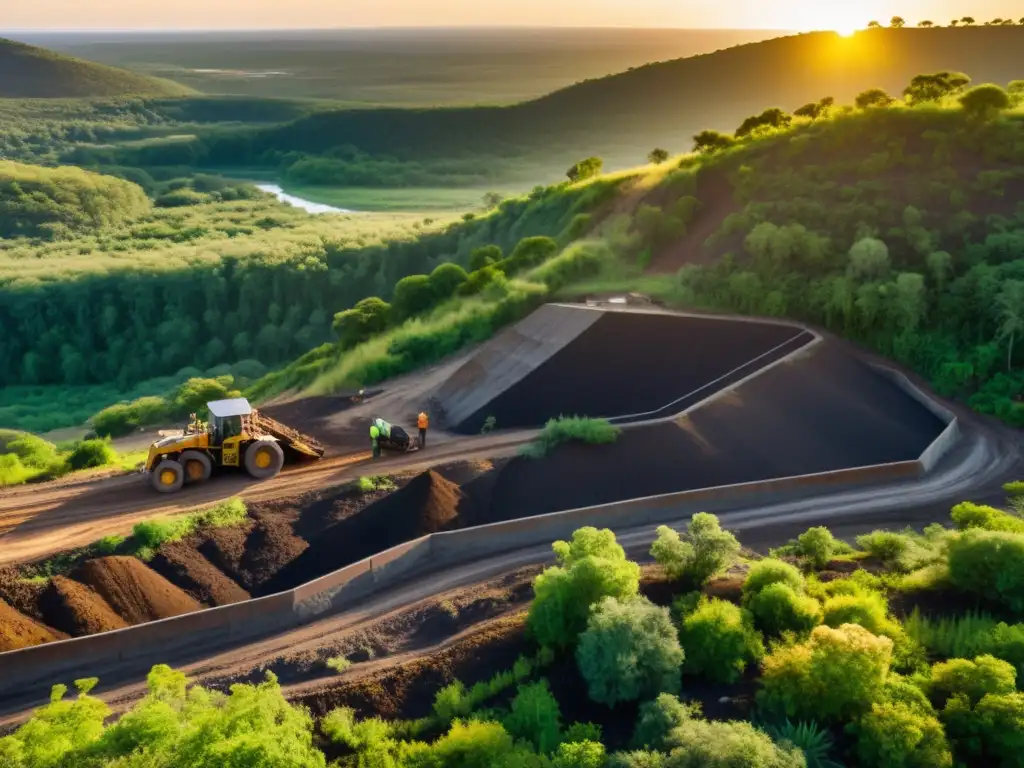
<point x="54" y="202"/>
<point x="567" y="429"/>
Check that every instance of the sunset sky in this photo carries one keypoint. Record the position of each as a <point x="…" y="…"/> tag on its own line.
<point x="265" y="14"/>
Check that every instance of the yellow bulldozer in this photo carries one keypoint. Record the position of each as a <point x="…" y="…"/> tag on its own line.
<point x="235" y="436"/>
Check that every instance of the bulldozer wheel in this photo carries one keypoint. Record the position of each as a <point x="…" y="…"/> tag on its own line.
<point x="264" y="459"/>
<point x="198" y="466"/>
<point x="168" y="476"/>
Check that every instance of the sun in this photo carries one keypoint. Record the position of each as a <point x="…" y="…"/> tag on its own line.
<point x="846" y="30"/>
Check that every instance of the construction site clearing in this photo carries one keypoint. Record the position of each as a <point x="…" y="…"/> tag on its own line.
<point x="727" y="401"/>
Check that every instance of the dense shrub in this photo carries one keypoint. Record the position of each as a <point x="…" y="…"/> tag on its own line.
<point x="720" y="641"/>
<point x="985" y="101"/>
<point x="579" y="754"/>
<point x="989" y="564"/>
<point x="529" y="252"/>
<point x="366" y="319"/>
<point x="778" y="609"/>
<point x="413" y="295"/>
<point x="91" y="453"/>
<point x="576" y="262"/>
<point x="967" y="515"/>
<point x="485" y="256"/>
<point x="991" y="733"/>
<point x="835" y="675"/>
<point x="770" y="571"/>
<point x="706" y="550"/>
<point x="446" y="279"/>
<point x="585" y="169"/>
<point x="869" y="610"/>
<point x="698" y="743"/>
<point x="637" y="759"/>
<point x="630" y="650"/>
<point x="899" y="736"/>
<point x="590" y="567"/>
<point x="817" y="545"/>
<point x="660" y="717"/>
<point x="973" y="679"/>
<point x="887" y="546"/>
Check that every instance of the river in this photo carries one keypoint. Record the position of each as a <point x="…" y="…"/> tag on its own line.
<point x="307" y="205"/>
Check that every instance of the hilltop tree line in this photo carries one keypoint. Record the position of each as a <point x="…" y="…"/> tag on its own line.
<point x="898" y="22"/>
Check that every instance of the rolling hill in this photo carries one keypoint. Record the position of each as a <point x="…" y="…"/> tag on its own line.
<point x="623" y="116"/>
<point x="28" y="72"/>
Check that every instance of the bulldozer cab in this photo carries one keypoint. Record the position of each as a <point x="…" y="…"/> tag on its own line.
<point x="226" y="419"/>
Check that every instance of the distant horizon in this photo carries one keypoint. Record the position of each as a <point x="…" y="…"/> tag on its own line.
<point x="396" y="28"/>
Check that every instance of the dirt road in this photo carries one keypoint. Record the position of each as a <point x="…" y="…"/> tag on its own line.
<point x="38" y="520"/>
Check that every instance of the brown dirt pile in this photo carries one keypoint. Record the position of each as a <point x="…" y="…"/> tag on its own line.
<point x="135" y="591"/>
<point x="76" y="609"/>
<point x="185" y="567"/>
<point x="20" y="594"/>
<point x="427" y="504"/>
<point x="19" y="631"/>
<point x="253" y="555"/>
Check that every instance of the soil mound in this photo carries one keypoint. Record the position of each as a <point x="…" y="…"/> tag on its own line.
<point x="427" y="504"/>
<point x="253" y="555"/>
<point x="20" y="594"/>
<point x="77" y="610"/>
<point x="136" y="592"/>
<point x="186" y="568"/>
<point x="19" y="631"/>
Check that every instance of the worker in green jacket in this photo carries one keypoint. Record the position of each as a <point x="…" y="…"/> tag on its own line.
<point x="383" y="427"/>
<point x="374" y="437"/>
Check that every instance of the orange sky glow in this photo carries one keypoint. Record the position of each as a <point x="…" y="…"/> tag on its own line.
<point x="308" y="14"/>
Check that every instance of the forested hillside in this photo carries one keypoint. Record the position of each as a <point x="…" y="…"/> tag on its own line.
<point x="27" y="72"/>
<point x="623" y="116"/>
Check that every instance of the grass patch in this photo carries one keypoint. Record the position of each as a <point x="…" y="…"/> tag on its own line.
<point x="414" y="199"/>
<point x="338" y="664"/>
<point x="376" y="483"/>
<point x="149" y="535"/>
<point x="566" y="429"/>
<point x="952" y="637"/>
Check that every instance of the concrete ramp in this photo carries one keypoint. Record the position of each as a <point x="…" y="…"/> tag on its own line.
<point x="509" y="357"/>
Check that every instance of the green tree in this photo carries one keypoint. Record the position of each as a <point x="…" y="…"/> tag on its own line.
<point x="590" y="567"/>
<point x="967" y="21"/>
<point x="837" y="674"/>
<point x="771" y="571"/>
<point x="366" y="319"/>
<point x="535" y="717"/>
<point x="699" y="743"/>
<point x="630" y="650"/>
<point x="897" y="22"/>
<point x="989" y="564"/>
<point x="492" y="200"/>
<point x="874" y="25"/>
<point x="869" y="259"/>
<point x="413" y="295"/>
<point x="873" y="97"/>
<point x="710" y="141"/>
<point x="585" y="169"/>
<point x="720" y="641"/>
<point x="658" y="156"/>
<point x="992" y="733"/>
<point x="1010" y="302"/>
<point x="985" y="101"/>
<point x="706" y="551"/>
<point x="926" y="24"/>
<point x="926" y="88"/>
<point x="579" y="754"/>
<point x="770" y="118"/>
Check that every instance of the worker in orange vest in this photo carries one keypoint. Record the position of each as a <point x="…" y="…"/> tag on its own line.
<point x="423" y="422"/>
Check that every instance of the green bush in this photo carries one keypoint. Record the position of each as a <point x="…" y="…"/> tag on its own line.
<point x="956" y="636"/>
<point x="967" y="516"/>
<point x="566" y="429"/>
<point x="223" y="515"/>
<point x="887" y="546"/>
<point x="529" y="252"/>
<point x="590" y="567"/>
<point x="698" y="743"/>
<point x="899" y="736"/>
<point x="485" y="256"/>
<point x="817" y="545"/>
<point x="973" y="679"/>
<point x="446" y="279"/>
<point x="870" y="610"/>
<point x="989" y="564"/>
<point x="985" y="101"/>
<point x="1014" y="488"/>
<point x="778" y="609"/>
<point x="638" y="759"/>
<point x="535" y="717"/>
<point x="660" y="717"/>
<point x="706" y="551"/>
<point x="585" y="169"/>
<point x="720" y="641"/>
<point x="992" y="733"/>
<point x="413" y="295"/>
<point x="807" y="736"/>
<point x="578" y="261"/>
<point x="579" y="754"/>
<point x="109" y="545"/>
<point x="770" y="571"/>
<point x="835" y="675"/>
<point x="630" y="650"/>
<point x="91" y="453"/>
